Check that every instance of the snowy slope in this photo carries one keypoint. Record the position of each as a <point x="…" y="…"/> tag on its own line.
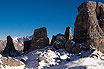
<point x="50" y="58"/>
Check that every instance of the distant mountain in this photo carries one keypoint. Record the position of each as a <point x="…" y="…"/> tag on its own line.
<point x="19" y="42"/>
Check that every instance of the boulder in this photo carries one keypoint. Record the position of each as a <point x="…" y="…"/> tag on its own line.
<point x="10" y="49"/>
<point x="69" y="45"/>
<point x="77" y="49"/>
<point x="68" y="33"/>
<point x="40" y="39"/>
<point x="73" y="47"/>
<point x="89" y="25"/>
<point x="60" y="41"/>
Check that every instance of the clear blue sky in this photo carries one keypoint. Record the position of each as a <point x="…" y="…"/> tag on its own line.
<point x="21" y="17"/>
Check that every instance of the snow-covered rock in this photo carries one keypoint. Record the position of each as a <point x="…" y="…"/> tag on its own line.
<point x="11" y="63"/>
<point x="60" y="41"/>
<point x="44" y="58"/>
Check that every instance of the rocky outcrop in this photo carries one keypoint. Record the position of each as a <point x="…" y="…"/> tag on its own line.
<point x="68" y="33"/>
<point x="100" y="14"/>
<point x="89" y="25"/>
<point x="73" y="47"/>
<point x="60" y="41"/>
<point x="40" y="39"/>
<point x="10" y="49"/>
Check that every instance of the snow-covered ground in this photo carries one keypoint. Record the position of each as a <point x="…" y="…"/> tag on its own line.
<point x="50" y="58"/>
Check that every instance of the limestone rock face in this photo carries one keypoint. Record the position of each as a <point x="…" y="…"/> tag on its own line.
<point x="68" y="33"/>
<point x="89" y="25"/>
<point x="100" y="14"/>
<point x="10" y="49"/>
<point x="40" y="39"/>
<point x="60" y="41"/>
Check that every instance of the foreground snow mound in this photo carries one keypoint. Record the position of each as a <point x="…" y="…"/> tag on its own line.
<point x="10" y="63"/>
<point x="47" y="57"/>
<point x="91" y="62"/>
<point x="82" y="63"/>
<point x="50" y="58"/>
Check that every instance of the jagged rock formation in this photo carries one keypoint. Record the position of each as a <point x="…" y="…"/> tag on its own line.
<point x="89" y="25"/>
<point x="10" y="49"/>
<point x="68" y="33"/>
<point x="40" y="39"/>
<point x="59" y="40"/>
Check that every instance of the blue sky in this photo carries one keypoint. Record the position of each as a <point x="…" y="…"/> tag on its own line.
<point x="21" y="17"/>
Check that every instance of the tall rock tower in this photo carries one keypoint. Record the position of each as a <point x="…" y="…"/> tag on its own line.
<point x="89" y="25"/>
